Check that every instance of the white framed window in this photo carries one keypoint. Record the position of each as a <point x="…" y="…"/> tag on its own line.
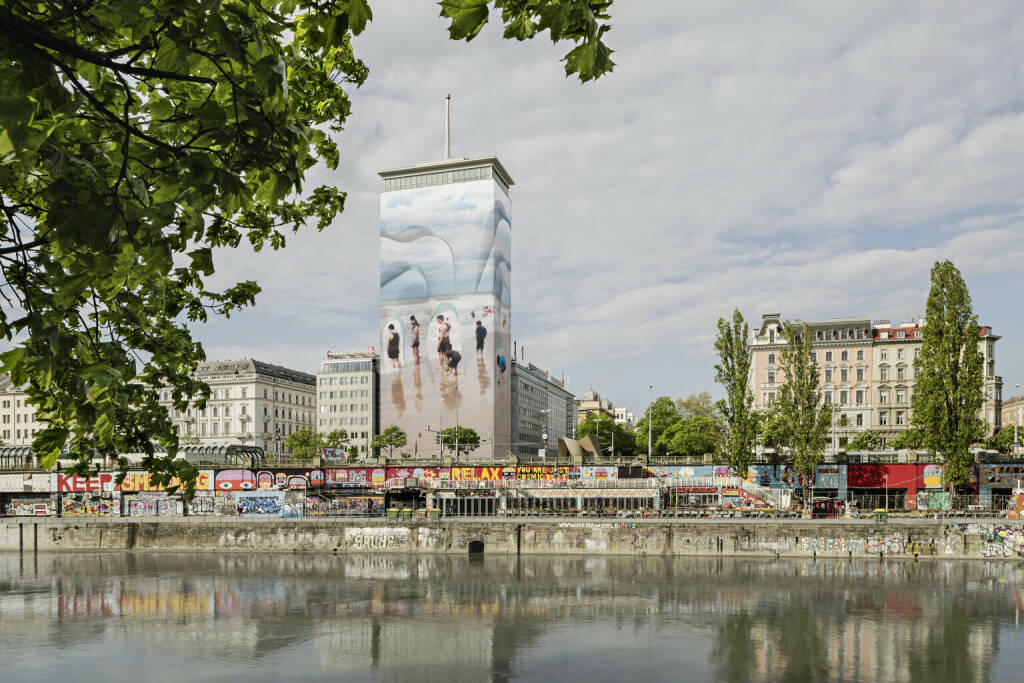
<point x="883" y="419"/>
<point x="771" y="359"/>
<point x="860" y="354"/>
<point x="860" y="374"/>
<point x="844" y="375"/>
<point x="844" y="355"/>
<point x="883" y="354"/>
<point x="883" y="397"/>
<point x="899" y="417"/>
<point x="901" y="396"/>
<point x="828" y="356"/>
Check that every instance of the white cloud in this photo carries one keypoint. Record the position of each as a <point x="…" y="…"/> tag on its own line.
<point x="814" y="157"/>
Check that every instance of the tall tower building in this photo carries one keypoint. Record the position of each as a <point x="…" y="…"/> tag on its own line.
<point x="445" y="302"/>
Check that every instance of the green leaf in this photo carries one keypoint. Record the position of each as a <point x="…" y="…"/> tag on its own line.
<point x="468" y="17"/>
<point x="202" y="260"/>
<point x="358" y="15"/>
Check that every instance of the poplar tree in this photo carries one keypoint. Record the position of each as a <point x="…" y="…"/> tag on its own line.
<point x="804" y="421"/>
<point x="949" y="393"/>
<point x="732" y="372"/>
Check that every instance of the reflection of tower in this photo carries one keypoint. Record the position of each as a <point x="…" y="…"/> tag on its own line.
<point x="445" y="258"/>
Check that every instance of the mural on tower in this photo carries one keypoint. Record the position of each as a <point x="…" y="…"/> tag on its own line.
<point x="445" y="312"/>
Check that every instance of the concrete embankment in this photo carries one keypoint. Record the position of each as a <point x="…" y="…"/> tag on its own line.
<point x="852" y="538"/>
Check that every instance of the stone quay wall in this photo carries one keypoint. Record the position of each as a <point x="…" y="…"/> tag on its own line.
<point x="995" y="539"/>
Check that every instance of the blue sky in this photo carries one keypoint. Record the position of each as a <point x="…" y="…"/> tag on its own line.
<point x="813" y="158"/>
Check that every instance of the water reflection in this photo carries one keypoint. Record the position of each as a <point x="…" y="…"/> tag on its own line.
<point x="429" y="617"/>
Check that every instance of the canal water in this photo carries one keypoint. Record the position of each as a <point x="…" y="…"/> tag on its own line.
<point x="194" y="617"/>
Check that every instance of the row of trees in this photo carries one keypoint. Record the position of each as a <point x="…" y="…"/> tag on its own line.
<point x="307" y="444"/>
<point x="946" y="402"/>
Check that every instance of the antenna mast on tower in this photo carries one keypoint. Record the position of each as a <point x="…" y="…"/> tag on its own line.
<point x="447" y="126"/>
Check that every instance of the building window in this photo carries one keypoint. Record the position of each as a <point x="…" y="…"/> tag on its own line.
<point x="860" y="374"/>
<point x="828" y="374"/>
<point x="899" y="354"/>
<point x="243" y="392"/>
<point x="860" y="397"/>
<point x="814" y="356"/>
<point x="884" y="374"/>
<point x="828" y="356"/>
<point x="899" y="417"/>
<point x="860" y="419"/>
<point x="844" y="375"/>
<point x="883" y="419"/>
<point x="900" y="372"/>
<point x="771" y="378"/>
<point x="844" y="355"/>
<point x="884" y="355"/>
<point x="860" y="354"/>
<point x="843" y="395"/>
<point x="883" y="397"/>
<point x="901" y="396"/>
<point x="771" y="359"/>
<point x="828" y="397"/>
<point x="771" y="396"/>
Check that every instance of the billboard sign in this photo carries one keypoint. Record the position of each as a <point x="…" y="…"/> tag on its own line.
<point x="445" y="316"/>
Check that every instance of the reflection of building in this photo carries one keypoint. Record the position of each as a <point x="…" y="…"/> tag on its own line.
<point x="348" y="387"/>
<point x="591" y="402"/>
<point x="541" y="407"/>
<point x="865" y="368"/>
<point x="445" y="317"/>
<point x="18" y="424"/>
<point x="251" y="402"/>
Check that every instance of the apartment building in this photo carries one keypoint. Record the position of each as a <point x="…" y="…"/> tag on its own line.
<point x="591" y="402"/>
<point x="348" y="396"/>
<point x="251" y="402"/>
<point x="18" y="425"/>
<point x="866" y="369"/>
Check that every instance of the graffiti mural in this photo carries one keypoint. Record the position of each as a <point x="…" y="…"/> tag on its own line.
<point x="84" y="505"/>
<point x="260" y="504"/>
<point x="235" y="480"/>
<point x="29" y="507"/>
<point x="344" y="505"/>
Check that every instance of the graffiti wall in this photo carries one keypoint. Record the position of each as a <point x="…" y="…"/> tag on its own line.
<point x="260" y="504"/>
<point x="30" y="507"/>
<point x="344" y="505"/>
<point x="235" y="480"/>
<point x="90" y="505"/>
<point x="153" y="503"/>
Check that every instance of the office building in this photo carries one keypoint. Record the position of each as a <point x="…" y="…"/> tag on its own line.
<point x="445" y="302"/>
<point x="18" y="425"/>
<point x="348" y="397"/>
<point x="543" y="411"/>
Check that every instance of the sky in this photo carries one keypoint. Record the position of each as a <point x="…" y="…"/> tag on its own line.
<point x="814" y="159"/>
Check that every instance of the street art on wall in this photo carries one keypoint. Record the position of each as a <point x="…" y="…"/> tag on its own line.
<point x="153" y="503"/>
<point x="259" y="503"/>
<point x="90" y="505"/>
<point x="344" y="505"/>
<point x="294" y="503"/>
<point x="235" y="480"/>
<point x="445" y="315"/>
<point x="29" y="507"/>
<point x="133" y="482"/>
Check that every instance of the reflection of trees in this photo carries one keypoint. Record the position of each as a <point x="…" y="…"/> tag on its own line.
<point x="764" y="619"/>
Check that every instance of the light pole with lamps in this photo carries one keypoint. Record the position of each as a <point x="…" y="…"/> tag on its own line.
<point x="650" y="422"/>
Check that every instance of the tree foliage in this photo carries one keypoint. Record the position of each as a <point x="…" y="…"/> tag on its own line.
<point x="575" y="20"/>
<point x="910" y="438"/>
<point x="804" y="421"/>
<point x="866" y="440"/>
<point x="137" y="138"/>
<point x="692" y="436"/>
<point x="462" y="440"/>
<point x="391" y="438"/>
<point x="605" y="427"/>
<point x="949" y="392"/>
<point x="733" y="373"/>
<point x="307" y="444"/>
<point x="1002" y="440"/>
<point x="662" y="414"/>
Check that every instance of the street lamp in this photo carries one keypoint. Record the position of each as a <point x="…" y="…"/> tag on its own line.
<point x="650" y="421"/>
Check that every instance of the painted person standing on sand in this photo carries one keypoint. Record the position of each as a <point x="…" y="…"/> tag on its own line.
<point x="443" y="342"/>
<point x="481" y="335"/>
<point x="415" y="339"/>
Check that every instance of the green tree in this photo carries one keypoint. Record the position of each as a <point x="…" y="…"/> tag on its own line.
<point x="697" y="405"/>
<point x="1002" y="440"/>
<point x="866" y="440"/>
<point x="353" y="453"/>
<point x="662" y="414"/>
<point x="692" y="436"/>
<point x="733" y="372"/>
<point x="391" y="438"/>
<point x="137" y="138"/>
<point x="949" y="392"/>
<point x="605" y="427"/>
<point x="911" y="438"/>
<point x="463" y="440"/>
<point x="804" y="419"/>
<point x="307" y="444"/>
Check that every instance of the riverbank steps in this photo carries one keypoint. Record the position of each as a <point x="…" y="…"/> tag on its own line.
<point x="911" y="540"/>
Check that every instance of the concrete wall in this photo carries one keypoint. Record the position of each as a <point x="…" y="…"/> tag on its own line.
<point x="974" y="540"/>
